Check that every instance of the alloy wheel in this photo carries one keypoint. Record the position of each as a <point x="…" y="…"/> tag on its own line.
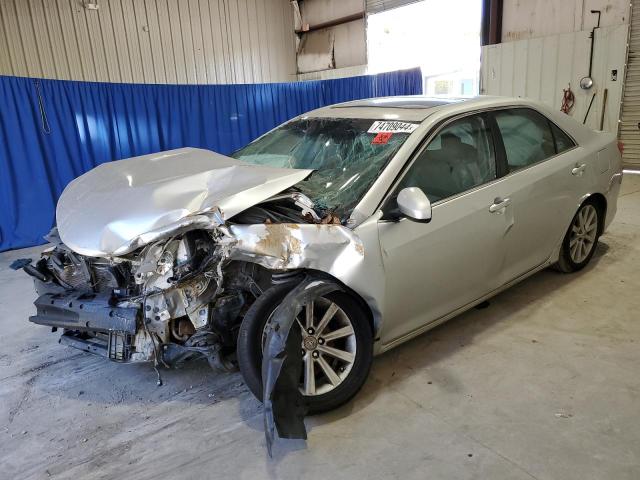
<point x="328" y="346"/>
<point x="584" y="232"/>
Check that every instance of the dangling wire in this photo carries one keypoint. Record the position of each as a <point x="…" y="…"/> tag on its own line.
<point x="157" y="358"/>
<point x="46" y="128"/>
<point x="568" y="100"/>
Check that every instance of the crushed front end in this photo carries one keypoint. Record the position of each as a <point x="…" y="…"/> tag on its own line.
<point x="164" y="302"/>
<point x="184" y="294"/>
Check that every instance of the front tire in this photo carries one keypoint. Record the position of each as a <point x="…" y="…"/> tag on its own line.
<point x="337" y="347"/>
<point x="581" y="239"/>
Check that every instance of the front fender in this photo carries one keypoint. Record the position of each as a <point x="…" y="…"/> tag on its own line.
<point x="351" y="256"/>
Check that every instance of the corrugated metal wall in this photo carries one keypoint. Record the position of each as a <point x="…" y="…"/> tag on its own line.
<point x="630" y="121"/>
<point x="149" y="41"/>
<point x="541" y="68"/>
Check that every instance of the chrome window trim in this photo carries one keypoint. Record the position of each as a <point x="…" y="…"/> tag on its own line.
<point x="430" y="137"/>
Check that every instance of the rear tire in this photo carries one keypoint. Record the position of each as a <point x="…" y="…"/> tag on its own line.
<point x="581" y="240"/>
<point x="250" y="340"/>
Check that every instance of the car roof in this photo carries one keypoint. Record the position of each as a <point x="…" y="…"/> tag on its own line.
<point x="408" y="108"/>
<point x="419" y="108"/>
<point x="409" y="102"/>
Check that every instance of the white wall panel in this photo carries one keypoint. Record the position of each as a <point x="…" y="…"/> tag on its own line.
<point x="533" y="75"/>
<point x="95" y="41"/>
<point x="540" y="68"/>
<point x="263" y="41"/>
<point x="523" y="19"/>
<point x="45" y="55"/>
<point x="55" y="40"/>
<point x="208" y="51"/>
<point x="521" y="59"/>
<point x="83" y="41"/>
<point x="198" y="42"/>
<point x="220" y="41"/>
<point x="107" y="31"/>
<point x="254" y="37"/>
<point x="141" y="26"/>
<point x="321" y="11"/>
<point x="149" y="41"/>
<point x="351" y="44"/>
<point x="12" y="35"/>
<point x="234" y="33"/>
<point x="27" y="38"/>
<point x="507" y="65"/>
<point x="285" y="20"/>
<point x="186" y="41"/>
<point x="69" y="40"/>
<point x="549" y="74"/>
<point x="5" y="61"/>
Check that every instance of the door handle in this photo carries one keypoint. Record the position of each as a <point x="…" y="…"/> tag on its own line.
<point x="499" y="204"/>
<point x="578" y="169"/>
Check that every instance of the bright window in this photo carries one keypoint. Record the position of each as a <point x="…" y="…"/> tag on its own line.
<point x="442" y="37"/>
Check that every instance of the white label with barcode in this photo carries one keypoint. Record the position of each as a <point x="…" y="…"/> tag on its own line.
<point x="386" y="126"/>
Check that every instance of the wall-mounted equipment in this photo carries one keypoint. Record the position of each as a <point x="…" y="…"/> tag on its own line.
<point x="587" y="82"/>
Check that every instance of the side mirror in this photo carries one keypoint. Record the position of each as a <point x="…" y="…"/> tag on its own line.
<point x="414" y="204"/>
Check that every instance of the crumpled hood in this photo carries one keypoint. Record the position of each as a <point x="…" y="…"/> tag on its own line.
<point x="122" y="205"/>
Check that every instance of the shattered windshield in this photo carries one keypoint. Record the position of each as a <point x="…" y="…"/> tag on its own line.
<point x="347" y="155"/>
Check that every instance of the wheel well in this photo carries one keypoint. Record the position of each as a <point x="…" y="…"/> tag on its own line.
<point x="600" y="202"/>
<point x="349" y="291"/>
<point x="365" y="308"/>
<point x="364" y="305"/>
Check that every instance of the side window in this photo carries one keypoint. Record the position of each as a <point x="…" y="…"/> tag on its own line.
<point x="460" y="157"/>
<point x="526" y="135"/>
<point x="563" y="142"/>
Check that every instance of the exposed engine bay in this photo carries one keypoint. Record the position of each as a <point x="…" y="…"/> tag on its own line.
<point x="172" y="299"/>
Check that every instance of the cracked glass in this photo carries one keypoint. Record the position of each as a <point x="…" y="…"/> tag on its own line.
<point x="345" y="157"/>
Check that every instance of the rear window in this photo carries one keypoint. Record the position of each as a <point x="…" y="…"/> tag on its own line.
<point x="563" y="141"/>
<point x="529" y="137"/>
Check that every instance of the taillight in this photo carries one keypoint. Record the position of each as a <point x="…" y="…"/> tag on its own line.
<point x="621" y="147"/>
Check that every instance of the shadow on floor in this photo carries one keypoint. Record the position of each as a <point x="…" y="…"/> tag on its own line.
<point x="434" y="346"/>
<point x="101" y="383"/>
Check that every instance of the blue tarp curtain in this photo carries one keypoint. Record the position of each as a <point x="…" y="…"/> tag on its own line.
<point x="52" y="131"/>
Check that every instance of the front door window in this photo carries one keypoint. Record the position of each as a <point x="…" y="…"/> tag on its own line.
<point x="459" y="158"/>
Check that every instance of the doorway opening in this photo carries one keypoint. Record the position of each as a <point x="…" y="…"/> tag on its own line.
<point x="442" y="37"/>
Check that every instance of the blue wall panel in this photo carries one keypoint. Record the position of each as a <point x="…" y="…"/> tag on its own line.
<point x="52" y="131"/>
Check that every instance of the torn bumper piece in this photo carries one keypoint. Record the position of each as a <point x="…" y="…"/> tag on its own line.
<point x="85" y="312"/>
<point x="284" y="407"/>
<point x="115" y="346"/>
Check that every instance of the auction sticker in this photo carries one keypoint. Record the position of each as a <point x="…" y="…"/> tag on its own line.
<point x="381" y="138"/>
<point x="386" y="126"/>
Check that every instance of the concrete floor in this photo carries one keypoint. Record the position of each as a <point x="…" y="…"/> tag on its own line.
<point x="543" y="384"/>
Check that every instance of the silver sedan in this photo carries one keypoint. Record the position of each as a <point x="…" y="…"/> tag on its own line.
<point x="354" y="227"/>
